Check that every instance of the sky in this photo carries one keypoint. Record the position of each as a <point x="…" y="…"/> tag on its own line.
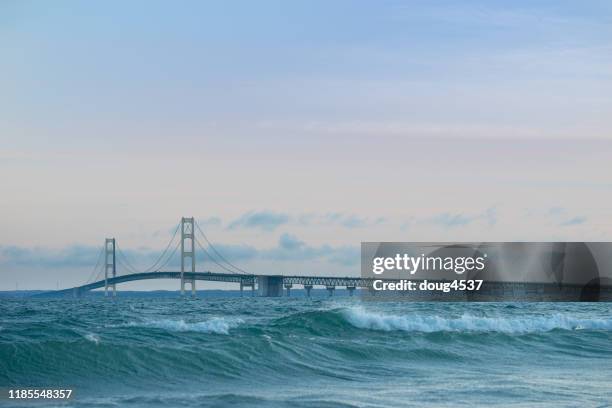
<point x="293" y="131"/>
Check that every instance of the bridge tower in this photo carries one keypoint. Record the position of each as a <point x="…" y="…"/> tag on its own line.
<point x="109" y="264"/>
<point x="187" y="253"/>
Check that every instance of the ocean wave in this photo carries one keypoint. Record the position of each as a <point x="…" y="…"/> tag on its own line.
<point x="217" y="325"/>
<point x="362" y="319"/>
<point x="94" y="338"/>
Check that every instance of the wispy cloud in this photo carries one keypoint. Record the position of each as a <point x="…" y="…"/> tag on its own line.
<point x="266" y="220"/>
<point x="290" y="242"/>
<point x="353" y="221"/>
<point x="291" y="248"/>
<point x="270" y="220"/>
<point x="474" y="16"/>
<point x="394" y="128"/>
<point x="210" y="222"/>
<point x="554" y="211"/>
<point x="337" y="218"/>
<point x="559" y="215"/>
<point x="72" y="256"/>
<point x="574" y="221"/>
<point x="233" y="253"/>
<point x="451" y="220"/>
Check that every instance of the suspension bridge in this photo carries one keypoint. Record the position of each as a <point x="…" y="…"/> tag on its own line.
<point x="113" y="267"/>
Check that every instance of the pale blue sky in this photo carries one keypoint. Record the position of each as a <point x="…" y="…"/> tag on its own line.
<point x="295" y="130"/>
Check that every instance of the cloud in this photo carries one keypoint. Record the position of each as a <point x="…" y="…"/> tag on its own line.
<point x="554" y="211"/>
<point x="210" y="222"/>
<point x="266" y="220"/>
<point x="335" y="218"/>
<point x="233" y="253"/>
<point x="290" y="242"/>
<point x="508" y="17"/>
<point x="291" y="249"/>
<point x="451" y="220"/>
<point x="573" y="221"/>
<point x="347" y="256"/>
<point x="270" y="220"/>
<point x="354" y="222"/>
<point x="288" y="248"/>
<point x="73" y="256"/>
<point x="560" y="216"/>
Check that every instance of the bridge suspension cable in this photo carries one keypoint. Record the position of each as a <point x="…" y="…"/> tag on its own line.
<point x="123" y="261"/>
<point x="167" y="255"/>
<point x="99" y="275"/>
<point x="155" y="267"/>
<point x="96" y="267"/>
<point x="213" y="259"/>
<point x="159" y="263"/>
<point x="212" y="247"/>
<point x="178" y="244"/>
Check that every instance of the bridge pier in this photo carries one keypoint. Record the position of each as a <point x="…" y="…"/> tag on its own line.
<point x="247" y="284"/>
<point x="270" y="286"/>
<point x="330" y="290"/>
<point x="190" y="282"/>
<point x="307" y="288"/>
<point x="350" y="289"/>
<point x="288" y="286"/>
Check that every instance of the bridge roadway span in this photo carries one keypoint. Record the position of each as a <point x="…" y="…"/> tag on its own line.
<point x="273" y="285"/>
<point x="268" y="285"/>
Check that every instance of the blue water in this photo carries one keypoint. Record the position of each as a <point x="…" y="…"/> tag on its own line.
<point x="245" y="352"/>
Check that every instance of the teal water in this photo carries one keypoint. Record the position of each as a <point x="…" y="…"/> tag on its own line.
<point x="244" y="352"/>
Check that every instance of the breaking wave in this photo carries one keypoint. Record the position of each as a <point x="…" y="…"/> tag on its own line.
<point x="218" y="325"/>
<point x="362" y="319"/>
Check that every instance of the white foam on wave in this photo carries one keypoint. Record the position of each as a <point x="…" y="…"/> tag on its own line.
<point x="94" y="338"/>
<point x="218" y="325"/>
<point x="363" y="319"/>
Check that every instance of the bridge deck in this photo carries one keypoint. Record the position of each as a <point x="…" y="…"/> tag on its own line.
<point x="223" y="277"/>
<point x="248" y="280"/>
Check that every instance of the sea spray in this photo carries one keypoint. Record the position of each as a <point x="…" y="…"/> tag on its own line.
<point x="217" y="325"/>
<point x="363" y="319"/>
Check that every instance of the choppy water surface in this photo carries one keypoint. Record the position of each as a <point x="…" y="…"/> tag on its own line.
<point x="308" y="353"/>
